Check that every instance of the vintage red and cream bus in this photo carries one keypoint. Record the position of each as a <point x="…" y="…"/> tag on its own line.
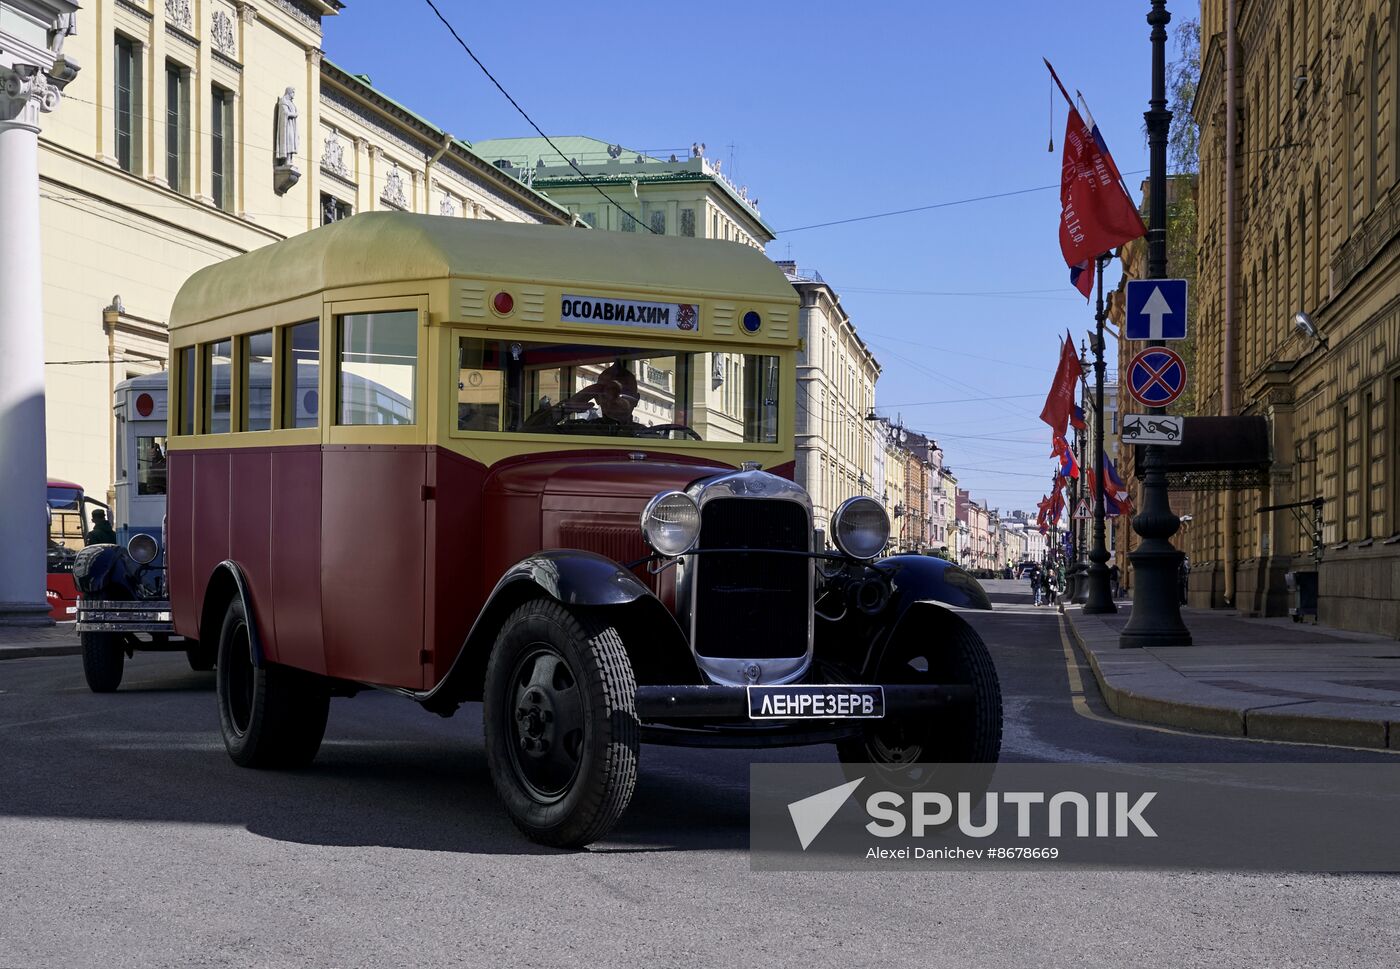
<point x="549" y="470"/>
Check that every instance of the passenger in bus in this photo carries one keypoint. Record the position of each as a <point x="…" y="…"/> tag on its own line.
<point x="615" y="395"/>
<point x="101" y="532"/>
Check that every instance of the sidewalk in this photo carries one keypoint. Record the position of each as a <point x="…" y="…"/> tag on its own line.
<point x="1266" y="678"/>
<point x="17" y="642"/>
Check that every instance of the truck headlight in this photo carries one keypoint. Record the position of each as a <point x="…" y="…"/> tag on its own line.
<point x="860" y="528"/>
<point x="671" y="523"/>
<point x="142" y="548"/>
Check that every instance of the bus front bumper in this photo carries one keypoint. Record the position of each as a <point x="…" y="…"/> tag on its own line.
<point x="117" y="616"/>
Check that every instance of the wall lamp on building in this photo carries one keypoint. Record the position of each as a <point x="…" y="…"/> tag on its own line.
<point x="1306" y="328"/>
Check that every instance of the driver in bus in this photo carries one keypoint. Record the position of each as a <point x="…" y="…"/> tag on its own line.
<point x="614" y="393"/>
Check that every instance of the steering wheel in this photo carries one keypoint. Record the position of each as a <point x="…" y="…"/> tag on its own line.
<point x="660" y="430"/>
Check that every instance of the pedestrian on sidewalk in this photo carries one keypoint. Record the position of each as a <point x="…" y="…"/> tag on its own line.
<point x="1113" y="576"/>
<point x="1183" y="574"/>
<point x="1034" y="575"/>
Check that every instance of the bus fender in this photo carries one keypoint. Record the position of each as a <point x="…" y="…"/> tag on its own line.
<point x="575" y="578"/>
<point x="225" y="582"/>
<point x="919" y="578"/>
<point x="572" y="577"/>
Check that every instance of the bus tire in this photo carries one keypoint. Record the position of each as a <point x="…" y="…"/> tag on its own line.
<point x="945" y="650"/>
<point x="271" y="716"/>
<point x="562" y="736"/>
<point x="103" y="659"/>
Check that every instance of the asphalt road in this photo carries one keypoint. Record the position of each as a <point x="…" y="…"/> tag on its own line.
<point x="128" y="838"/>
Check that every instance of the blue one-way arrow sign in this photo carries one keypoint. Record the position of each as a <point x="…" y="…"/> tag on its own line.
<point x="1156" y="310"/>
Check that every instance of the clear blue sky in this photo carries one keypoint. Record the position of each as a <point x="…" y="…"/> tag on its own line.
<point x="835" y="110"/>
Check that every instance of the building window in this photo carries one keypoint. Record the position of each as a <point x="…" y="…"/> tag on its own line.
<point x="257" y="381"/>
<point x="658" y="222"/>
<point x="218" y="361"/>
<point x="378" y="367"/>
<point x="301" y="374"/>
<point x="629" y="221"/>
<point x="333" y="209"/>
<point x="221" y="148"/>
<point x="688" y="222"/>
<point x="177" y="129"/>
<point x="127" y="107"/>
<point x="591" y="219"/>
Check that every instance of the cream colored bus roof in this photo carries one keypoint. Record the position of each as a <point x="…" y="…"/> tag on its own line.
<point x="387" y="247"/>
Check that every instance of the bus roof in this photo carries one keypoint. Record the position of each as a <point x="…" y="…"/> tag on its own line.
<point x="386" y="247"/>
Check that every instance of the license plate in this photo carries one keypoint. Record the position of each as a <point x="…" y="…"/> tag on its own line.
<point x="816" y="702"/>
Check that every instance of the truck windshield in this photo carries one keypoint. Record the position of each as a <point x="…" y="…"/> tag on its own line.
<point x="609" y="391"/>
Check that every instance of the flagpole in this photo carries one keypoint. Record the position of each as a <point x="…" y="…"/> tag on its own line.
<point x="1100" y="598"/>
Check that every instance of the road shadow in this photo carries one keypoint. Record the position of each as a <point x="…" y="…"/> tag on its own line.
<point x="387" y="775"/>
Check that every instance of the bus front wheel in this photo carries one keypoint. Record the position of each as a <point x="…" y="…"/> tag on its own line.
<point x="270" y="715"/>
<point x="561" y="726"/>
<point x="103" y="660"/>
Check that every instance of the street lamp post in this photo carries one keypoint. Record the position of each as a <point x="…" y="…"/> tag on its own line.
<point x="1156" y="618"/>
<point x="1100" y="598"/>
<point x="1079" y="529"/>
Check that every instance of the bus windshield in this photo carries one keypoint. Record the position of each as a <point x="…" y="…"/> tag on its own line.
<point x="572" y="389"/>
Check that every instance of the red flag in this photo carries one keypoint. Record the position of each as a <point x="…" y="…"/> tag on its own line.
<point x="1060" y="400"/>
<point x="1096" y="213"/>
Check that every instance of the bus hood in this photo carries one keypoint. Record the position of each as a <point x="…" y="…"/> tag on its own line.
<point x="591" y="476"/>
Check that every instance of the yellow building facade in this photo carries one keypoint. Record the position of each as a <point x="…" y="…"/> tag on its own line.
<point x="1315" y="207"/>
<point x="836" y="375"/>
<point x="197" y="130"/>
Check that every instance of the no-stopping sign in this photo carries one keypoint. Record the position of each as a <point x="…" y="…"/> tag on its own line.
<point x="1156" y="377"/>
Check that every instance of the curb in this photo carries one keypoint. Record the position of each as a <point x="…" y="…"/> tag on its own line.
<point x="28" y="652"/>
<point x="1258" y="723"/>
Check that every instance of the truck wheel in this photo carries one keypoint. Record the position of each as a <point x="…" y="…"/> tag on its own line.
<point x="947" y="651"/>
<point x="270" y="715"/>
<point x="103" y="660"/>
<point x="201" y="658"/>
<point x="561" y="724"/>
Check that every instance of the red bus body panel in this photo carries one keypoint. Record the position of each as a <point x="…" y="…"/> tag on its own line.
<point x="371" y="562"/>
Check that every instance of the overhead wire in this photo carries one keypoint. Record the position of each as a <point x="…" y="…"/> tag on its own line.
<point x="933" y="205"/>
<point x="538" y="130"/>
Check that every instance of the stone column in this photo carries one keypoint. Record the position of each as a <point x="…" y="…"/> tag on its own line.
<point x="26" y="91"/>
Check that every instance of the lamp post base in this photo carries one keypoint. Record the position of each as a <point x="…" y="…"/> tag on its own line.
<point x="1156" y="618"/>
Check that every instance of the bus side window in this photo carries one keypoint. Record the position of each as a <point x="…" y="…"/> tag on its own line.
<point x="257" y="381"/>
<point x="186" y="400"/>
<point x="218" y="362"/>
<point x="378" y="367"/>
<point x="301" y="374"/>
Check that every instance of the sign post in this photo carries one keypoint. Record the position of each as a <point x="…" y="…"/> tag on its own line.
<point x="1156" y="618"/>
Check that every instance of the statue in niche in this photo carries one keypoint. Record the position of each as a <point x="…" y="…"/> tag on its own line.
<point x="285" y="143"/>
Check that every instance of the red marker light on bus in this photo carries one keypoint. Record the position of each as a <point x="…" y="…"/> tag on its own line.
<point x="503" y="303"/>
<point x="144" y="405"/>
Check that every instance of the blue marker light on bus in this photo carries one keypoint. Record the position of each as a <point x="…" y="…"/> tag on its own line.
<point x="752" y="321"/>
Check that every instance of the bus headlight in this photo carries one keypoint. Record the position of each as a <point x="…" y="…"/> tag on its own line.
<point x="671" y="523"/>
<point x="142" y="548"/>
<point x="860" y="528"/>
